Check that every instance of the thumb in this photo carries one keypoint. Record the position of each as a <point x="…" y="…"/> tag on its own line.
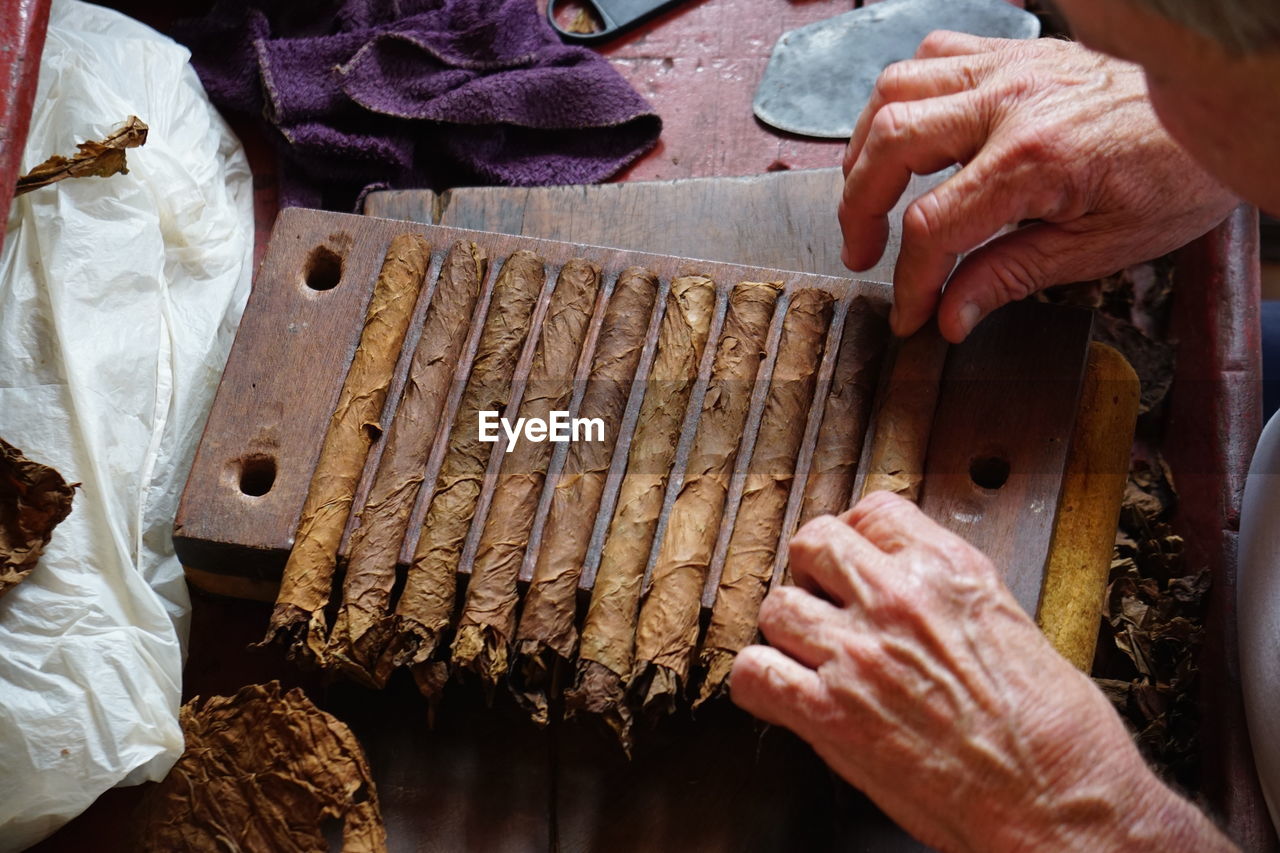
<point x="1011" y="268"/>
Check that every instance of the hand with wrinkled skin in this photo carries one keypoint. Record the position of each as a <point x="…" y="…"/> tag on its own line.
<point x="902" y="658"/>
<point x="1049" y="133"/>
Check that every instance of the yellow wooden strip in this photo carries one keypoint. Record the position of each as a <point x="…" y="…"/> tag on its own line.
<point x="1075" y="579"/>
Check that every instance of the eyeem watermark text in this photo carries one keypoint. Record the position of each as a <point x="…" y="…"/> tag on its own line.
<point x="559" y="427"/>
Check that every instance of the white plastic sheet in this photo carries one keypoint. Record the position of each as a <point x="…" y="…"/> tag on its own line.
<point x="118" y="301"/>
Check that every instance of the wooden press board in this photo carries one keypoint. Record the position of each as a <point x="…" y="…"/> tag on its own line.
<point x="304" y="318"/>
<point x="483" y="779"/>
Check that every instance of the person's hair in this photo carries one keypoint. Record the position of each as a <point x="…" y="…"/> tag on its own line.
<point x="1240" y="26"/>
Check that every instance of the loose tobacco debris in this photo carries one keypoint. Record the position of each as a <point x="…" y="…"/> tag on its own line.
<point x="94" y="159"/>
<point x="34" y="499"/>
<point x="1155" y="609"/>
<point x="262" y="770"/>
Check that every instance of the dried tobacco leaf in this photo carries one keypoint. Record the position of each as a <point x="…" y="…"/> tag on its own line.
<point x="298" y="619"/>
<point x="753" y="547"/>
<point x="1152" y="360"/>
<point x="262" y="770"/>
<point x="605" y="651"/>
<point x="426" y="604"/>
<point x="904" y="418"/>
<point x="547" y="634"/>
<point x="1132" y="316"/>
<point x="487" y="625"/>
<point x="93" y="159"/>
<point x="364" y="623"/>
<point x="829" y="488"/>
<point x="667" y="631"/>
<point x="34" y="499"/>
<point x="1155" y="608"/>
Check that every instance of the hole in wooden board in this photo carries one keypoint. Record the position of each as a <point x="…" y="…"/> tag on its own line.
<point x="324" y="269"/>
<point x="257" y="475"/>
<point x="989" y="471"/>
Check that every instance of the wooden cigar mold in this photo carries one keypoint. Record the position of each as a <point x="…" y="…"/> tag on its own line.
<point x="993" y="471"/>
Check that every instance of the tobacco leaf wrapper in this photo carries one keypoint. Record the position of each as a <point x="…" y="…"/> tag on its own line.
<point x="364" y="623"/>
<point x="547" y="629"/>
<point x="753" y="547"/>
<point x="299" y="616"/>
<point x="262" y="770"/>
<point x="92" y="159"/>
<point x="608" y="635"/>
<point x="829" y="489"/>
<point x="667" y="632"/>
<point x="34" y="499"/>
<point x="905" y="417"/>
<point x="426" y="604"/>
<point x="487" y="626"/>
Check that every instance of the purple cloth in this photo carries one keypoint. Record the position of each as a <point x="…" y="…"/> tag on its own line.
<point x="371" y="94"/>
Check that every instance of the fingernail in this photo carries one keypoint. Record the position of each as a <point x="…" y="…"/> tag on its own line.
<point x="970" y="314"/>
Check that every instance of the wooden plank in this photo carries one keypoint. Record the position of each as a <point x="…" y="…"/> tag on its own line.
<point x="250" y="475"/>
<point x="782" y="220"/>
<point x="291" y="354"/>
<point x="1002" y="429"/>
<point x="1075" y="579"/>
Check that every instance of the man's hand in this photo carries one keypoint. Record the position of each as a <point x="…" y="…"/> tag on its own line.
<point x="1050" y="134"/>
<point x="900" y="656"/>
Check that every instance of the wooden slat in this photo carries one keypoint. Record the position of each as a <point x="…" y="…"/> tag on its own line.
<point x="1005" y="414"/>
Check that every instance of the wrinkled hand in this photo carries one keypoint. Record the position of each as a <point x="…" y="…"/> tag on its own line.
<point x="900" y="656"/>
<point x="1048" y="132"/>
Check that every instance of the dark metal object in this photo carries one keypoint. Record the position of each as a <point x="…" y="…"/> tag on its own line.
<point x="617" y="16"/>
<point x="821" y="75"/>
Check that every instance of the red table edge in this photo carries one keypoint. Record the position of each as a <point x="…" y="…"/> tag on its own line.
<point x="1215" y="418"/>
<point x="22" y="29"/>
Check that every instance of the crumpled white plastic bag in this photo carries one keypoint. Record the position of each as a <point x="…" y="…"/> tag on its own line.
<point x="119" y="298"/>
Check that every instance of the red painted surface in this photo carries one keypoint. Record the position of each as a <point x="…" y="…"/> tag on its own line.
<point x="699" y="66"/>
<point x="22" y="27"/>
<point x="1215" y="416"/>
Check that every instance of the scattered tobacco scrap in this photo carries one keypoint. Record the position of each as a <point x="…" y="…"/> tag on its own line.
<point x="1155" y="609"/>
<point x="262" y="770"/>
<point x="1155" y="604"/>
<point x="92" y="159"/>
<point x="34" y="499"/>
<point x="1132" y="316"/>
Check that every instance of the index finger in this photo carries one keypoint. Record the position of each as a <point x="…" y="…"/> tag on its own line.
<point x="957" y="216"/>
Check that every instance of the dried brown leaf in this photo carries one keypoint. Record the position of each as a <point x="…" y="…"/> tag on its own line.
<point x="262" y="770"/>
<point x="34" y="499"/>
<point x="93" y="159"/>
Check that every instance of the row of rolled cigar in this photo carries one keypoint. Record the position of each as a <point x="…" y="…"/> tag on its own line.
<point x="640" y="644"/>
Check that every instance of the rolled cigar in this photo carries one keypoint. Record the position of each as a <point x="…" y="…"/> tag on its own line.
<point x="608" y="634"/>
<point x="426" y="604"/>
<point x="364" y="623"/>
<point x="547" y="633"/>
<point x="905" y="416"/>
<point x="298" y="618"/>
<point x="753" y="546"/>
<point x="667" y="631"/>
<point x="488" y="622"/>
<point x="829" y="489"/>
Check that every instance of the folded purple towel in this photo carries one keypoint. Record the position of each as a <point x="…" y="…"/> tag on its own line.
<point x="418" y="93"/>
